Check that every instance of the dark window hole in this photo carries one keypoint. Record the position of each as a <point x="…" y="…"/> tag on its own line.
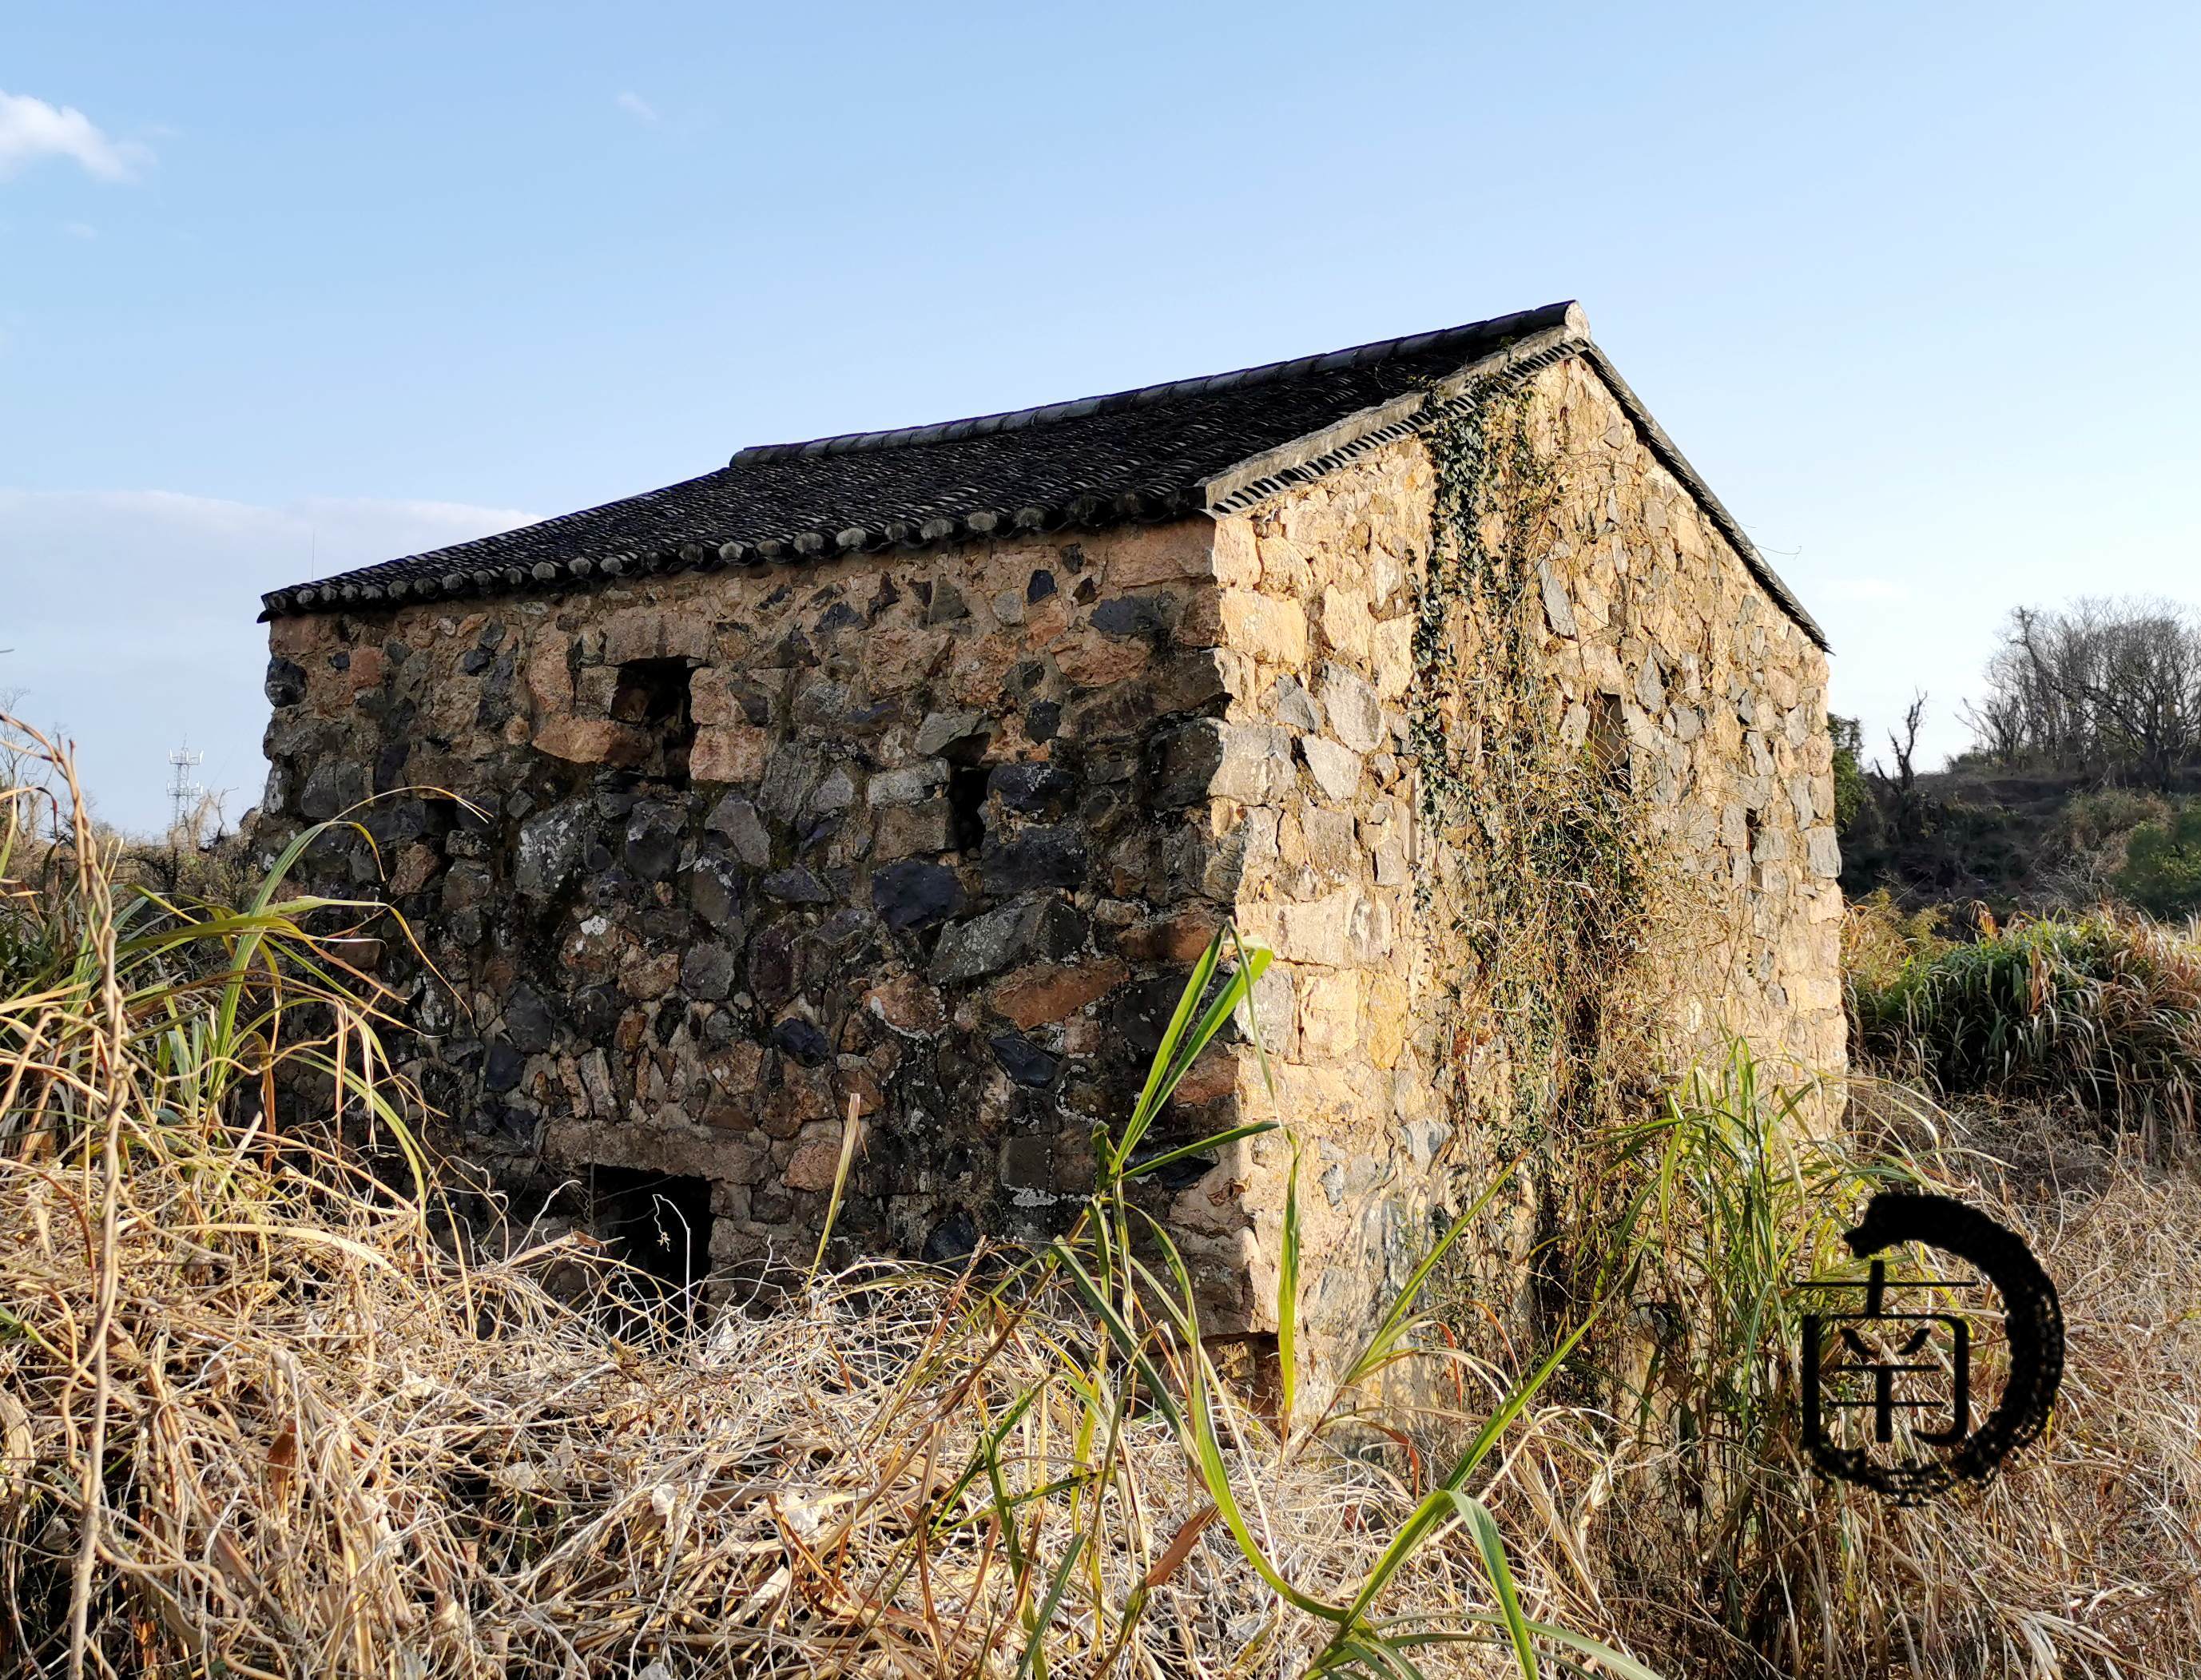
<point x="966" y="803"/>
<point x="1608" y="740"/>
<point x="659" y="1226"/>
<point x="653" y="694"/>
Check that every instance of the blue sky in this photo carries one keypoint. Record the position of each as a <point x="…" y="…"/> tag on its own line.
<point x="288" y="288"/>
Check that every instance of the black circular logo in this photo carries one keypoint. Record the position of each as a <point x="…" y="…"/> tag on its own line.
<point x="1887" y="1357"/>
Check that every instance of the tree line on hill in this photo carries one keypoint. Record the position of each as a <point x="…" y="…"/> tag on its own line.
<point x="2081" y="783"/>
<point x="2109" y="687"/>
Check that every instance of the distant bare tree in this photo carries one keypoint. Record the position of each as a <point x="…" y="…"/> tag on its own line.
<point x="2002" y="723"/>
<point x="1905" y="747"/>
<point x="1897" y="794"/>
<point x="203" y="824"/>
<point x="2100" y="685"/>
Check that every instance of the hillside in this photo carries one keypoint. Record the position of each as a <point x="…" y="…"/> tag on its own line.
<point x="2012" y="838"/>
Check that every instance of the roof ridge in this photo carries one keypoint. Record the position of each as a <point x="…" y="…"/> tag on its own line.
<point x="1215" y="444"/>
<point x="1139" y="397"/>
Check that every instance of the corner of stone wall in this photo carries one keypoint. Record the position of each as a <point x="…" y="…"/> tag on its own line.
<point x="1658" y="640"/>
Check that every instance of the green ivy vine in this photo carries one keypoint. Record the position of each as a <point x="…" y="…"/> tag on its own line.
<point x="1541" y="855"/>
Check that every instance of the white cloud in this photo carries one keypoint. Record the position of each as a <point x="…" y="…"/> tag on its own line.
<point x="80" y="230"/>
<point x="130" y="619"/>
<point x="637" y="106"/>
<point x="30" y="129"/>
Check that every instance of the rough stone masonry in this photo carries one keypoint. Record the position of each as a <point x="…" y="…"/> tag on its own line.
<point x="914" y="768"/>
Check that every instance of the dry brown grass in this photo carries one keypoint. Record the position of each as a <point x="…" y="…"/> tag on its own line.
<point x="2081" y="1557"/>
<point x="334" y="1451"/>
<point x="2084" y="1557"/>
<point x="254" y="1419"/>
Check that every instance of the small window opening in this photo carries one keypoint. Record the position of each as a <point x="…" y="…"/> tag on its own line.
<point x="966" y="801"/>
<point x="1608" y="740"/>
<point x="653" y="694"/>
<point x="659" y="1226"/>
<point x="967" y="780"/>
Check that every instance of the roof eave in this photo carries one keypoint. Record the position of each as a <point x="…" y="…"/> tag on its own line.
<point x="1305" y="458"/>
<point x="1671" y="458"/>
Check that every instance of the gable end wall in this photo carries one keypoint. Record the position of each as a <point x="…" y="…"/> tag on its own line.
<point x="1650" y="619"/>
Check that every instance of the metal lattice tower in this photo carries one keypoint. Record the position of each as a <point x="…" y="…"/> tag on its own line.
<point x="183" y="792"/>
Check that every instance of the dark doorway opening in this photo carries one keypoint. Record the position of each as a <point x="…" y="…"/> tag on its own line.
<point x="653" y="694"/>
<point x="659" y="1227"/>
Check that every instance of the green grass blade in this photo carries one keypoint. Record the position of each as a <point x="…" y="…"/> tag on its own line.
<point x="1288" y="1299"/>
<point x="1127" y="1340"/>
<point x="1186" y="1037"/>
<point x="1208" y="1449"/>
<point x="1487" y="1541"/>
<point x="1432" y="1514"/>
<point x="1150" y="1098"/>
<point x="1152" y="1163"/>
<point x="1031" y="1660"/>
<point x="1514" y="1404"/>
<point x="1396" y="1322"/>
<point x="1603" y="1656"/>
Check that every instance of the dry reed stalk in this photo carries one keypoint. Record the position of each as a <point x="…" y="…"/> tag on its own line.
<point x="2088" y="1546"/>
<point x="332" y="1454"/>
<point x="329" y="1445"/>
<point x="2081" y="1557"/>
<point x="324" y="1444"/>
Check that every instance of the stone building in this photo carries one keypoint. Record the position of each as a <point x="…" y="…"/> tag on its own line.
<point x="912" y="768"/>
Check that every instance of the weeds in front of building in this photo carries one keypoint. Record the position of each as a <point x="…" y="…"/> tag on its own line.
<point x="255" y="1416"/>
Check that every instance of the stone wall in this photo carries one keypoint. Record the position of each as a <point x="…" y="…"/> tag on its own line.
<point x="1652" y="628"/>
<point x="938" y="832"/>
<point x="919" y="831"/>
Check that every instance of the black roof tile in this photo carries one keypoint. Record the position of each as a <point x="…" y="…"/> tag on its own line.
<point x="1146" y="453"/>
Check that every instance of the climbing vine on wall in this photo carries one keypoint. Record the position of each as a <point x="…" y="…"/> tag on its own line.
<point x="1541" y="855"/>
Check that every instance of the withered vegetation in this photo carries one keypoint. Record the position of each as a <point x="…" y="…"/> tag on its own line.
<point x="257" y="1418"/>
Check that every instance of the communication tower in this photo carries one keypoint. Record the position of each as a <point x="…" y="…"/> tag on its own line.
<point x="183" y="791"/>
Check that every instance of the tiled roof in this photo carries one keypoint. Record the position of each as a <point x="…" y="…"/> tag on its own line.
<point x="1155" y="453"/>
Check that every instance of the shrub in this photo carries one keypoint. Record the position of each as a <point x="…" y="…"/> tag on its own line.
<point x="2103" y="1011"/>
<point x="1880" y="939"/>
<point x="2093" y="820"/>
<point x="2161" y="872"/>
<point x="1850" y="791"/>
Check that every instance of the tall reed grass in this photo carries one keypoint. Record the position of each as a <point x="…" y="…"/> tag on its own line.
<point x="1709" y="1538"/>
<point x="2102" y="1012"/>
<point x="257" y="1419"/>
